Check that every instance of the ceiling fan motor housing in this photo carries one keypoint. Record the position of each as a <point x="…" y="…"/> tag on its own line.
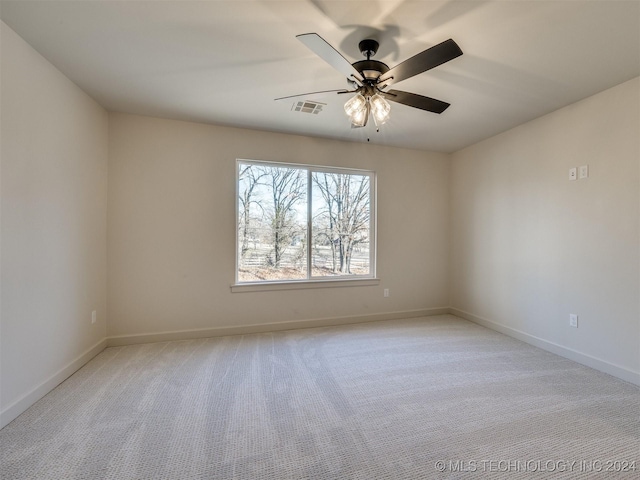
<point x="371" y="70"/>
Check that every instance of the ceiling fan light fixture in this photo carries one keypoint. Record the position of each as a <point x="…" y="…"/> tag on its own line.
<point x="380" y="109"/>
<point x="358" y="108"/>
<point x="355" y="104"/>
<point x="359" y="117"/>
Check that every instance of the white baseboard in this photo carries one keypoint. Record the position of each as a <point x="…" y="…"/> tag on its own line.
<point x="592" y="362"/>
<point x="16" y="408"/>
<point x="120" y="340"/>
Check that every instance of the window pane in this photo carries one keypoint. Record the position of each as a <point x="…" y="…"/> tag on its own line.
<point x="292" y="217"/>
<point x="341" y="216"/>
<point x="272" y="223"/>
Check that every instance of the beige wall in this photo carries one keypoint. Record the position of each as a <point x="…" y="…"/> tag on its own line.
<point x="171" y="234"/>
<point x="53" y="225"/>
<point x="529" y="247"/>
<point x="499" y="233"/>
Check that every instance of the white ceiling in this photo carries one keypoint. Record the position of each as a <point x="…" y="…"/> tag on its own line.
<point x="224" y="62"/>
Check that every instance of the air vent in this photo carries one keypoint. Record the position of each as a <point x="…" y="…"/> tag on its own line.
<point x="308" y="106"/>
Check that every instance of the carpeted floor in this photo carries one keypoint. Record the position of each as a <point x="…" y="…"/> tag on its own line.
<point x="435" y="397"/>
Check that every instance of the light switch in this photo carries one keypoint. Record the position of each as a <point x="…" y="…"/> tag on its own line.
<point x="573" y="320"/>
<point x="584" y="171"/>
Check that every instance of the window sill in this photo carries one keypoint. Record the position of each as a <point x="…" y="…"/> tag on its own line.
<point x="304" y="285"/>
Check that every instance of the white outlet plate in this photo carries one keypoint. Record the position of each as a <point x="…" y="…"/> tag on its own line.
<point x="94" y="317"/>
<point x="573" y="173"/>
<point x="573" y="320"/>
<point x="583" y="171"/>
<point x="386" y="292"/>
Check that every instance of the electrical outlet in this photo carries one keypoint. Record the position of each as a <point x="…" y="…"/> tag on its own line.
<point x="386" y="292"/>
<point x="573" y="320"/>
<point x="94" y="317"/>
<point x="573" y="173"/>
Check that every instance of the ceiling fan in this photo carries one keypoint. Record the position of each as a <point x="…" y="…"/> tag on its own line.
<point x="369" y="79"/>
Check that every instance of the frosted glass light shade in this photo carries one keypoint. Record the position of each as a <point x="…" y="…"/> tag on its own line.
<point x="355" y="104"/>
<point x="380" y="109"/>
<point x="359" y="117"/>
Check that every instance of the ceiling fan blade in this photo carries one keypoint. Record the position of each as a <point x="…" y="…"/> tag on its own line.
<point x="423" y="61"/>
<point x="416" y="101"/>
<point x="324" y="50"/>
<point x="323" y="92"/>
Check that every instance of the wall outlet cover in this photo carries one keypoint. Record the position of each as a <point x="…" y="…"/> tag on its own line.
<point x="583" y="171"/>
<point x="573" y="320"/>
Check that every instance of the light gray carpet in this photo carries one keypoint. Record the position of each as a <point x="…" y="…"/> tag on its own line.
<point x="385" y="400"/>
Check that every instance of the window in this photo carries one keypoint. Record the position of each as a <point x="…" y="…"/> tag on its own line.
<point x="301" y="223"/>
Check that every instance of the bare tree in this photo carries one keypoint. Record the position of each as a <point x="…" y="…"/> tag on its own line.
<point x="272" y="221"/>
<point x="346" y="214"/>
<point x="249" y="178"/>
<point x="287" y="188"/>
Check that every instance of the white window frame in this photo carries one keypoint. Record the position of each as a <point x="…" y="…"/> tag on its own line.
<point x="310" y="281"/>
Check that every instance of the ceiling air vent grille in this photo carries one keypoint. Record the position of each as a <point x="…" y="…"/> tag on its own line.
<point x="308" y="106"/>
